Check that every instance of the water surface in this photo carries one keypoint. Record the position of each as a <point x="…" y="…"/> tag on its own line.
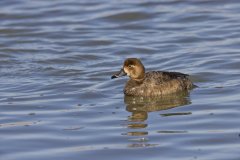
<point x="57" y="100"/>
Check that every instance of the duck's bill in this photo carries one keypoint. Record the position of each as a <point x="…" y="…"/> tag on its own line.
<point x="119" y="74"/>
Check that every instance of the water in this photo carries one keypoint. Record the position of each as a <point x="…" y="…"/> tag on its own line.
<point x="57" y="100"/>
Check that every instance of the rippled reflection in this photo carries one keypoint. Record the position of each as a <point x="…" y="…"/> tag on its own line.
<point x="140" y="106"/>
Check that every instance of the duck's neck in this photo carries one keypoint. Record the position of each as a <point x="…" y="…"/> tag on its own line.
<point x="138" y="80"/>
<point x="138" y="77"/>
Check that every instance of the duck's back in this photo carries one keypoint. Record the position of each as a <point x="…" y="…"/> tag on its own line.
<point x="157" y="83"/>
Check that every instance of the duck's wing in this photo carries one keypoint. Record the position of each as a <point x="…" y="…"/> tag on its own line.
<point x="174" y="74"/>
<point x="160" y="77"/>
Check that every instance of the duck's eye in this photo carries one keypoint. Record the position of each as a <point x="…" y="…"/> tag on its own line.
<point x="130" y="66"/>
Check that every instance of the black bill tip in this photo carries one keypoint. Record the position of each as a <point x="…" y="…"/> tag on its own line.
<point x="114" y="76"/>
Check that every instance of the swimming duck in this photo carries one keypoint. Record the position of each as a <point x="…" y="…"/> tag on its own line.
<point x="153" y="83"/>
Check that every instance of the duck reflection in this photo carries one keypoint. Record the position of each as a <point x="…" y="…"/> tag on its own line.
<point x="139" y="107"/>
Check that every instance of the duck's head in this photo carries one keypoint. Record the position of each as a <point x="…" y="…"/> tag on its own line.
<point x="132" y="67"/>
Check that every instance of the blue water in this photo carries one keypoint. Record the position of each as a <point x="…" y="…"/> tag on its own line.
<point x="57" y="100"/>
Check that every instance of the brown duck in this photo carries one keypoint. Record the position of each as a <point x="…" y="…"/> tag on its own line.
<point x="153" y="83"/>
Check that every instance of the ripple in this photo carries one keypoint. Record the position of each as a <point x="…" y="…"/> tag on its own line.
<point x="128" y="16"/>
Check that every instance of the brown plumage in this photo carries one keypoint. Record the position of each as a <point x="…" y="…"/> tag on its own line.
<point x="153" y="83"/>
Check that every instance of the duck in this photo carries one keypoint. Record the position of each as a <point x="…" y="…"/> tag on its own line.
<point x="152" y="83"/>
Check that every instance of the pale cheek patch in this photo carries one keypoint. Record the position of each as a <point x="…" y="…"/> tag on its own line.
<point x="126" y="71"/>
